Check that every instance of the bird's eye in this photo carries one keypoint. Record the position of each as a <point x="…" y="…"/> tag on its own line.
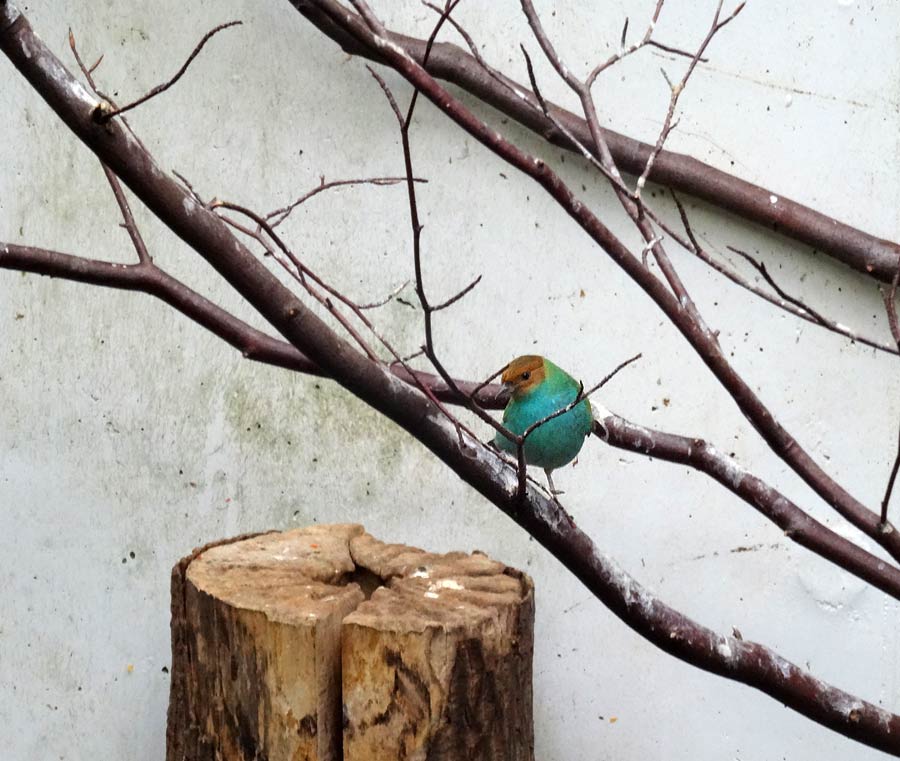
<point x="526" y="375"/>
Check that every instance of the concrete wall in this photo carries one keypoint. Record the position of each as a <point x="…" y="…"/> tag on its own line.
<point x="128" y="435"/>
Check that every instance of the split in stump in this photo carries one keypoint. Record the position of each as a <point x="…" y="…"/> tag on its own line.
<point x="324" y="643"/>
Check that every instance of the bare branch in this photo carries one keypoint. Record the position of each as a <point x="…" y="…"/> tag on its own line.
<point x="104" y="112"/>
<point x="735" y="658"/>
<point x="796" y="308"/>
<point x="579" y="397"/>
<point x="761" y="268"/>
<point x="300" y="272"/>
<point x="625" y="52"/>
<point x="890" y="305"/>
<point x="796" y="524"/>
<point x="427" y="308"/>
<point x="539" y="103"/>
<point x="129" y="223"/>
<point x="386" y="300"/>
<point x="697" y="333"/>
<point x="630" y="203"/>
<point x="456" y="297"/>
<point x="855" y="248"/>
<point x="678" y="89"/>
<point x="252" y="343"/>
<point x="285" y="211"/>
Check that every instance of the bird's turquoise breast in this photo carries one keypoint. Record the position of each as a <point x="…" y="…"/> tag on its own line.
<point x="557" y="441"/>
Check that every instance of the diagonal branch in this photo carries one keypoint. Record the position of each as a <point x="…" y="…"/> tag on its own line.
<point x="690" y="243"/>
<point x="107" y="111"/>
<point x="678" y="89"/>
<point x="614" y="430"/>
<point x="857" y="249"/>
<point x="251" y="342"/>
<point x="703" y="456"/>
<point x="694" y="330"/>
<point x="277" y="216"/>
<point x="744" y="661"/>
<point x="890" y="305"/>
<point x="792" y="305"/>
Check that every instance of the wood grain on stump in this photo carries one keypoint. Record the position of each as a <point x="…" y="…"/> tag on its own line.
<point x="325" y="643"/>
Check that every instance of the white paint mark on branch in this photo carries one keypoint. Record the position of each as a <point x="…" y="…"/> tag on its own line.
<point x="732" y="473"/>
<point x="9" y="14"/>
<point x="724" y="649"/>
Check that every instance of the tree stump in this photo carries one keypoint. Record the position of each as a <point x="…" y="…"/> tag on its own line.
<point x="323" y="643"/>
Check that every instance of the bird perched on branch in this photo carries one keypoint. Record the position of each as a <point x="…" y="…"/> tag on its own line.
<point x="540" y="388"/>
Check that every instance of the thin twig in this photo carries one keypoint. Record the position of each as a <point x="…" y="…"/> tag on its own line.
<point x="387" y="299"/>
<point x="890" y="305"/>
<point x="579" y="397"/>
<point x="538" y="103"/>
<point x="678" y="89"/>
<point x="863" y="252"/>
<point x="427" y="308"/>
<point x="797" y="308"/>
<point x="890" y="488"/>
<point x="675" y="51"/>
<point x="625" y="52"/>
<point x="300" y="272"/>
<point x="285" y="211"/>
<point x="129" y="223"/>
<point x="187" y="183"/>
<point x="683" y="315"/>
<point x="124" y="207"/>
<point x="449" y="7"/>
<point x="760" y="267"/>
<point x="453" y="299"/>
<point x="631" y="204"/>
<point x="104" y="114"/>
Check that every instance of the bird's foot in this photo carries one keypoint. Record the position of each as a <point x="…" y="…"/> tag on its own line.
<point x="554" y="492"/>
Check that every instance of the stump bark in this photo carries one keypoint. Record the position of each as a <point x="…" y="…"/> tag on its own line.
<point x="324" y="643"/>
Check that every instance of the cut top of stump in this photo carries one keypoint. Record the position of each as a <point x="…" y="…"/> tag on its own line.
<point x="302" y="574"/>
<point x="292" y="577"/>
<point x="324" y="643"/>
<point x="421" y="589"/>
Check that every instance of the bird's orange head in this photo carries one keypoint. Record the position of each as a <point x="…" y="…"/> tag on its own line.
<point x="524" y="374"/>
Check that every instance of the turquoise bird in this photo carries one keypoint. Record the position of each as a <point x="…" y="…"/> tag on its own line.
<point x="540" y="388"/>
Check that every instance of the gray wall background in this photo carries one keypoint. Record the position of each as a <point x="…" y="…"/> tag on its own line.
<point x="128" y="435"/>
